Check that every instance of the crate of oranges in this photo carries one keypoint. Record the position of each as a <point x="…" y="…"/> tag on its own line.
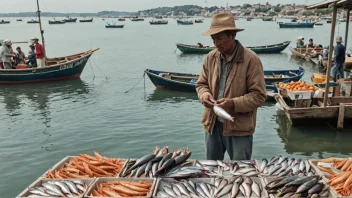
<point x="298" y="90"/>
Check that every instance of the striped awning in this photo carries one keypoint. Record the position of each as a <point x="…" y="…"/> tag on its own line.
<point x="346" y="4"/>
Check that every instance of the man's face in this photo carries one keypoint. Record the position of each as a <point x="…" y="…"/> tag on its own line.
<point x="310" y="42"/>
<point x="222" y="41"/>
<point x="18" y="50"/>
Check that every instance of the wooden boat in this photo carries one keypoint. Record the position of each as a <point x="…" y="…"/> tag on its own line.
<point x="137" y="19"/>
<point x="198" y="21"/>
<point x="4" y="22"/>
<point x="121" y="19"/>
<point x="19" y="20"/>
<point x="59" y="68"/>
<point x="267" y="19"/>
<point x="296" y="25"/>
<point x="70" y="20"/>
<point x="186" y="82"/>
<point x="194" y="49"/>
<point x="248" y="19"/>
<point x="313" y="115"/>
<point x="302" y="52"/>
<point x="56" y="22"/>
<point x="158" y="22"/>
<point x="184" y="22"/>
<point x="32" y="21"/>
<point x="328" y="21"/>
<point x="114" y="26"/>
<point x="318" y="24"/>
<point x="86" y="20"/>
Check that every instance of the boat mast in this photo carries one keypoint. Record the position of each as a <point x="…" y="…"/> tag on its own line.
<point x="41" y="29"/>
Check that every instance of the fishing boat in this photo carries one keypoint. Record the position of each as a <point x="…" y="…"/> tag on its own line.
<point x="56" y="22"/>
<point x="86" y="20"/>
<point x="19" y="20"/>
<point x="267" y="18"/>
<point x="319" y="23"/>
<point x="108" y="25"/>
<point x="121" y="19"/>
<point x="137" y="19"/>
<point x="158" y="22"/>
<point x="70" y="20"/>
<point x="304" y="53"/>
<point x="296" y="25"/>
<point x="4" y="22"/>
<point x="187" y="82"/>
<point x="185" y="22"/>
<point x="342" y="20"/>
<point x="249" y="19"/>
<point x="328" y="21"/>
<point x="32" y="21"/>
<point x="59" y="68"/>
<point x="199" y="20"/>
<point x="195" y="49"/>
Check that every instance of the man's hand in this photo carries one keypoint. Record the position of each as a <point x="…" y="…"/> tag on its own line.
<point x="226" y="103"/>
<point x="208" y="100"/>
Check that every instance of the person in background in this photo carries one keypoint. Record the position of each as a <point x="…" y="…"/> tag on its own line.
<point x="310" y="44"/>
<point x="1" y="64"/>
<point x="200" y="45"/>
<point x="326" y="53"/>
<point x="339" y="59"/>
<point x="5" y="54"/>
<point x="40" y="53"/>
<point x="32" y="61"/>
<point x="232" y="77"/>
<point x="20" y="57"/>
<point x="300" y="42"/>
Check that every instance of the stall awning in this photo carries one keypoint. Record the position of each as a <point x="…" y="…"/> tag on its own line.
<point x="346" y="4"/>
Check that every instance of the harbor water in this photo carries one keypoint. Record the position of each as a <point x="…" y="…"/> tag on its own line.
<point x="44" y="122"/>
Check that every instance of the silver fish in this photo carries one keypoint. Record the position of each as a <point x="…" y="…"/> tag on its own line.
<point x="182" y="188"/>
<point x="78" y="182"/>
<point x="53" y="188"/>
<point x="245" y="170"/>
<point x="217" y="182"/>
<point x="162" y="194"/>
<point x="266" y="170"/>
<point x="243" y="191"/>
<point x="302" y="166"/>
<point x="275" y="168"/>
<point x="256" y="189"/>
<point x="200" y="191"/>
<point x="307" y="166"/>
<point x="285" y="173"/>
<point x="222" y="184"/>
<point x="295" y="169"/>
<point x="169" y="191"/>
<point x="282" y="160"/>
<point x="235" y="190"/>
<point x="193" y="195"/>
<point x="239" y="180"/>
<point x="248" y="181"/>
<point x="263" y="165"/>
<point x="225" y="190"/>
<point x="324" y="194"/>
<point x="64" y="188"/>
<point x="273" y="160"/>
<point x="290" y="161"/>
<point x="52" y="193"/>
<point x="222" y="113"/>
<point x="72" y="187"/>
<point x="192" y="184"/>
<point x="279" y="160"/>
<point x="209" y="163"/>
<point x="307" y="185"/>
<point x="189" y="187"/>
<point x="235" y="167"/>
<point x="251" y="174"/>
<point x="205" y="189"/>
<point x="38" y="192"/>
<point x="176" y="190"/>
<point x="248" y="189"/>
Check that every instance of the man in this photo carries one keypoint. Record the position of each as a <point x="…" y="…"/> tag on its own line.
<point x="339" y="59"/>
<point x="20" y="57"/>
<point x="300" y="42"/>
<point x="40" y="53"/>
<point x="232" y="77"/>
<point x="32" y="61"/>
<point x="6" y="54"/>
<point x="310" y="44"/>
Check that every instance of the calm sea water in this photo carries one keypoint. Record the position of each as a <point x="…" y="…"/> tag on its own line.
<point x="42" y="123"/>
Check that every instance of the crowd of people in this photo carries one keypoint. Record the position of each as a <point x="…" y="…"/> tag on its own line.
<point x="10" y="59"/>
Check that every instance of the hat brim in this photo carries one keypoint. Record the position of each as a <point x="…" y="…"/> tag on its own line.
<point x="35" y="39"/>
<point x="213" y="31"/>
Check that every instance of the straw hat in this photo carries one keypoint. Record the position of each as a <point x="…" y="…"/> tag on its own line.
<point x="35" y="39"/>
<point x="222" y="22"/>
<point x="8" y="42"/>
<point x="339" y="39"/>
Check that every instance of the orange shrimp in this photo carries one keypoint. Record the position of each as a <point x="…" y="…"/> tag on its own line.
<point x="328" y="160"/>
<point x="327" y="170"/>
<point x="135" y="188"/>
<point x="97" y="155"/>
<point x="341" y="179"/>
<point x="346" y="165"/>
<point x="340" y="165"/>
<point x="95" y="193"/>
<point x="98" y="170"/>
<point x="348" y="182"/>
<point x="128" y="191"/>
<point x="111" y="193"/>
<point x="87" y="170"/>
<point x="88" y="157"/>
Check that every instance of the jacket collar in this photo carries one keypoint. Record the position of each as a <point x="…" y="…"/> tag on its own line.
<point x="239" y="56"/>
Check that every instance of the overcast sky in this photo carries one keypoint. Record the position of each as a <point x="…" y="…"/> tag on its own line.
<point x="8" y="6"/>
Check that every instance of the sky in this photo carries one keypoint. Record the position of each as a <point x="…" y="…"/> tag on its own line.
<point x="79" y="6"/>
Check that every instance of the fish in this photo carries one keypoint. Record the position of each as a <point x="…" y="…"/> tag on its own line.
<point x="282" y="182"/>
<point x="263" y="165"/>
<point x="59" y="189"/>
<point x="53" y="188"/>
<point x="308" y="167"/>
<point x="141" y="170"/>
<point x="142" y="161"/>
<point x="205" y="189"/>
<point x="64" y="188"/>
<point x="248" y="189"/>
<point x="168" y="164"/>
<point x="242" y="189"/>
<point x="154" y="168"/>
<point x="176" y="190"/>
<point x="281" y="159"/>
<point x="183" y="189"/>
<point x="222" y="113"/>
<point x="275" y="168"/>
<point x="300" y="180"/>
<point x="285" y="173"/>
<point x="165" y="158"/>
<point x="200" y="191"/>
<point x="225" y="190"/>
<point x="184" y="157"/>
<point x="162" y="194"/>
<point x="38" y="192"/>
<point x="190" y="187"/>
<point x="208" y="163"/>
<point x="307" y="185"/>
<point x="222" y="184"/>
<point x="256" y="189"/>
<point x="148" y="167"/>
<point x="235" y="190"/>
<point x="72" y="187"/>
<point x="316" y="188"/>
<point x="302" y="166"/>
<point x="191" y="184"/>
<point x="273" y="160"/>
<point x="169" y="191"/>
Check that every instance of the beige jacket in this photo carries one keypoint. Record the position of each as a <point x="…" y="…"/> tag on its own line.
<point x="245" y="85"/>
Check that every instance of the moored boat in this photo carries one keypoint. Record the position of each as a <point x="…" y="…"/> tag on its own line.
<point x="19" y="20"/>
<point x="199" y="20"/>
<point x="113" y="26"/>
<point x="194" y="49"/>
<point x="137" y="19"/>
<point x="70" y="20"/>
<point x="158" y="22"/>
<point x="33" y="21"/>
<point x="121" y="19"/>
<point x="186" y="82"/>
<point x="86" y="20"/>
<point x="185" y="22"/>
<point x="4" y="22"/>
<point x="267" y="19"/>
<point x="302" y="52"/>
<point x="296" y="25"/>
<point x="56" y="22"/>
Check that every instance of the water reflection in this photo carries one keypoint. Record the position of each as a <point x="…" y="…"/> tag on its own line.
<point x="165" y="95"/>
<point x="309" y="140"/>
<point x="190" y="57"/>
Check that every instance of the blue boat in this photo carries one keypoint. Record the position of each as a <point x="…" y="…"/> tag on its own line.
<point x="60" y="68"/>
<point x="184" y="22"/>
<point x="186" y="82"/>
<point x="296" y="25"/>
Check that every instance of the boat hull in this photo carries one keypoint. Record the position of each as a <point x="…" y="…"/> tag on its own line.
<point x="114" y="26"/>
<point x="189" y="49"/>
<point x="70" y="20"/>
<point x="86" y="21"/>
<point x="68" y="70"/>
<point x="184" y="22"/>
<point x="296" y="25"/>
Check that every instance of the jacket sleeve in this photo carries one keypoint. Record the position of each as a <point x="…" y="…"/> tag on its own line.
<point x="256" y="95"/>
<point x="202" y="85"/>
